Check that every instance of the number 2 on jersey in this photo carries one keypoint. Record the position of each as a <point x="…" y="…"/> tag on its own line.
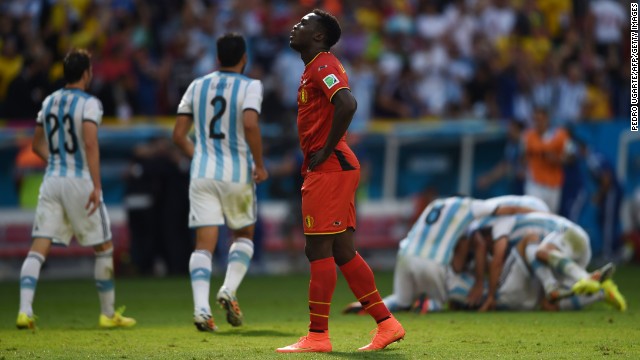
<point x="67" y="127"/>
<point x="216" y="116"/>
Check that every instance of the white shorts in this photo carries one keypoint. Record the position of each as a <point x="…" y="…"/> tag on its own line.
<point x="414" y="276"/>
<point x="518" y="289"/>
<point x="550" y="195"/>
<point x="211" y="202"/>
<point x="61" y="213"/>
<point x="573" y="243"/>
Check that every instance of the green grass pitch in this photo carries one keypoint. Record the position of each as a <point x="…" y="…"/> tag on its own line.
<point x="276" y="315"/>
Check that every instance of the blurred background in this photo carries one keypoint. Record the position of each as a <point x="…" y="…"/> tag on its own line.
<point x="445" y="91"/>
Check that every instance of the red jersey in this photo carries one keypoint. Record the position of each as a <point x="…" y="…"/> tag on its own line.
<point x="323" y="77"/>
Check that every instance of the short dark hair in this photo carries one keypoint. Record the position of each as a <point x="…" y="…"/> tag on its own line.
<point x="231" y="47"/>
<point x="75" y="63"/>
<point x="330" y="25"/>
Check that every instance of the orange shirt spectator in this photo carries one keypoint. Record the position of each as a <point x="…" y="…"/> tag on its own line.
<point x="544" y="151"/>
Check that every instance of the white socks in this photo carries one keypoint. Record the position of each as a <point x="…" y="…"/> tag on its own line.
<point x="566" y="266"/>
<point x="540" y="270"/>
<point x="240" y="254"/>
<point x="200" y="270"/>
<point x="103" y="273"/>
<point x="28" y="280"/>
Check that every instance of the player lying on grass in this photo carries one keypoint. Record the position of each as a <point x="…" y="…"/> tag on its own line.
<point x="564" y="249"/>
<point x="425" y="258"/>
<point x="476" y="296"/>
<point x="520" y="289"/>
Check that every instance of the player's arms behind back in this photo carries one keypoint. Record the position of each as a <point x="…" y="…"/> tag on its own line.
<point x="90" y="134"/>
<point x="254" y="140"/>
<point x="181" y="134"/>
<point x="345" y="106"/>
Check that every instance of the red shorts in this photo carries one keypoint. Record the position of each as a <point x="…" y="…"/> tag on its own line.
<point x="328" y="201"/>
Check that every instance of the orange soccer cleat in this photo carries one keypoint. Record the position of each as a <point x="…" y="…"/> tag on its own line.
<point x="313" y="342"/>
<point x="388" y="331"/>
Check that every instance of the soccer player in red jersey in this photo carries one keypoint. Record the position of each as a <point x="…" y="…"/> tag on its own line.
<point x="331" y="173"/>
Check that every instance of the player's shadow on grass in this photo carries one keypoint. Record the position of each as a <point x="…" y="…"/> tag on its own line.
<point x="255" y="333"/>
<point x="392" y="353"/>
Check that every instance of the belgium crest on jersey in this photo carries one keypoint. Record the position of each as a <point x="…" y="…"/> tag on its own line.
<point x="309" y="221"/>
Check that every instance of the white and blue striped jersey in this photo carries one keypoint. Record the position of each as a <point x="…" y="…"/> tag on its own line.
<point x="61" y="117"/>
<point x="437" y="230"/>
<point x="217" y="102"/>
<point x="524" y="201"/>
<point x="538" y="223"/>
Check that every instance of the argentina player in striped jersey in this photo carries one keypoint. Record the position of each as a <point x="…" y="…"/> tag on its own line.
<point x="498" y="248"/>
<point x="70" y="199"/>
<point x="556" y="248"/>
<point x="424" y="261"/>
<point x="519" y="289"/>
<point x="223" y="106"/>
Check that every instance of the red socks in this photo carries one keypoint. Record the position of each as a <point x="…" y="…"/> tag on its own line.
<point x="362" y="283"/>
<point x="321" y="286"/>
<point x="323" y="283"/>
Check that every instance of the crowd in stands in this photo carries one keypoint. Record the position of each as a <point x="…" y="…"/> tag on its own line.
<point x="495" y="59"/>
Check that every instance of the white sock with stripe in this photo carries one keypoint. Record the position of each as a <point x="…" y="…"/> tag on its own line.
<point x="240" y="254"/>
<point x="103" y="274"/>
<point x="29" y="275"/>
<point x="566" y="266"/>
<point x="540" y="270"/>
<point x="200" y="270"/>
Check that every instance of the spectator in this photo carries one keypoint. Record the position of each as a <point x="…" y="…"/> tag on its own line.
<point x="597" y="102"/>
<point x="397" y="96"/>
<point x="157" y="183"/>
<point x="141" y="186"/>
<point x="498" y="20"/>
<point x="363" y="82"/>
<point x="523" y="102"/>
<point x="285" y="77"/>
<point x="286" y="184"/>
<point x="571" y="96"/>
<point x="10" y="64"/>
<point x="545" y="150"/>
<point x="462" y="26"/>
<point x="510" y="167"/>
<point x="431" y="23"/>
<point x="607" y="199"/>
<point x="610" y="19"/>
<point x="144" y="50"/>
<point x="27" y="91"/>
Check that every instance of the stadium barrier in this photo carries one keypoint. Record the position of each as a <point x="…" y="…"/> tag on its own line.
<point x="402" y="159"/>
